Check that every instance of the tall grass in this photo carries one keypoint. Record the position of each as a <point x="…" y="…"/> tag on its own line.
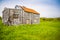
<point x="46" y="30"/>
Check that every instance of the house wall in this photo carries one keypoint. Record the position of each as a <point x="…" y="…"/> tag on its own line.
<point x="20" y="16"/>
<point x="35" y="18"/>
<point x="28" y="18"/>
<point x="5" y="15"/>
<point x="20" y="11"/>
<point x="23" y="17"/>
<point x="16" y="13"/>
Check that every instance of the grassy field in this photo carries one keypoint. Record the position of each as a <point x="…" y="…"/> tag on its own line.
<point x="46" y="30"/>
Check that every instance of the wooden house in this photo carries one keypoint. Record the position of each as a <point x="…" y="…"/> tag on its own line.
<point x="20" y="15"/>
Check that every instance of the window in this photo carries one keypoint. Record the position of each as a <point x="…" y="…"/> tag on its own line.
<point x="15" y="15"/>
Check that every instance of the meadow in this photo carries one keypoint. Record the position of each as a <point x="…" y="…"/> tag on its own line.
<point x="48" y="29"/>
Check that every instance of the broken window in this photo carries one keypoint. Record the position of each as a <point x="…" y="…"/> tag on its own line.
<point x="15" y="15"/>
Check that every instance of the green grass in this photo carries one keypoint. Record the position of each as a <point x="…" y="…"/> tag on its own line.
<point x="46" y="30"/>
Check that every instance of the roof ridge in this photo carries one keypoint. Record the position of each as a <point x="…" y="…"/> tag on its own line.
<point x="29" y="10"/>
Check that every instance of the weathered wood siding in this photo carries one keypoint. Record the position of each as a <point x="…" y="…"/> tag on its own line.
<point x="5" y="16"/>
<point x="35" y="18"/>
<point x="22" y="17"/>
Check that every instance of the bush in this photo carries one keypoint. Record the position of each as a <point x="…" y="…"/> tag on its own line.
<point x="0" y="17"/>
<point x="50" y="19"/>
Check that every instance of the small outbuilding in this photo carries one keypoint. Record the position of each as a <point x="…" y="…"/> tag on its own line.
<point x="20" y="15"/>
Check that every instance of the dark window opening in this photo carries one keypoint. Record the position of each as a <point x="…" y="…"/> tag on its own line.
<point x="15" y="15"/>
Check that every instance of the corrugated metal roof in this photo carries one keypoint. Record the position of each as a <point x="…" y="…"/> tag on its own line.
<point x="29" y="10"/>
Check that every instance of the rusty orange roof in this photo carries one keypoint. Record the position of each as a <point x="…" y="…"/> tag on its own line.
<point x="29" y="10"/>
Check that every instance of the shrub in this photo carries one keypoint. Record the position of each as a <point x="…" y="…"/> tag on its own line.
<point x="0" y="17"/>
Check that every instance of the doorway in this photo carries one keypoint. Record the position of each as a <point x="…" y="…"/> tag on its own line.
<point x="28" y="21"/>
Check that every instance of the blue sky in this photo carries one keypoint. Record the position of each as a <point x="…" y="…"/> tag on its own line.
<point x="46" y="8"/>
